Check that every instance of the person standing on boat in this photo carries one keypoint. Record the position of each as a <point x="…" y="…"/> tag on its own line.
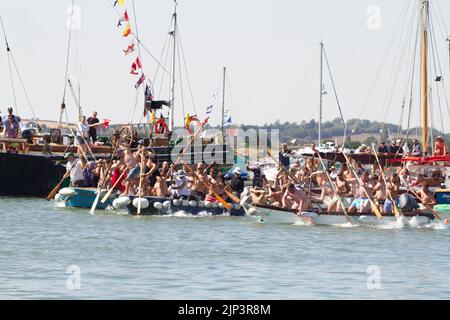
<point x="132" y="165"/>
<point x="12" y="130"/>
<point x="393" y="187"/>
<point x="93" y="122"/>
<point x="440" y="148"/>
<point x="284" y="157"/>
<point x="82" y="136"/>
<point x="75" y="167"/>
<point x="10" y="113"/>
<point x="237" y="183"/>
<point x="383" y="149"/>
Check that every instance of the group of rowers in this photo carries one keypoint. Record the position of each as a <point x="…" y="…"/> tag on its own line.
<point x="297" y="187"/>
<point x="140" y="173"/>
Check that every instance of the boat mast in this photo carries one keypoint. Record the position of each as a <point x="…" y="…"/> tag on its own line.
<point x="174" y="35"/>
<point x="424" y="23"/>
<point x="223" y="102"/>
<point x="321" y="93"/>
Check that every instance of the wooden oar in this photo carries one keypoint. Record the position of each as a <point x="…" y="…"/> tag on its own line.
<point x="426" y="206"/>
<point x="396" y="212"/>
<point x="99" y="190"/>
<point x="334" y="189"/>
<point x="282" y="168"/>
<point x="58" y="186"/>
<point x="169" y="173"/>
<point x="140" y="182"/>
<point x="361" y="183"/>
<point x="113" y="187"/>
<point x="208" y="186"/>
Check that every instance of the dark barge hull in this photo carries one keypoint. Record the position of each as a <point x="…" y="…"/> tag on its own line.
<point x="29" y="175"/>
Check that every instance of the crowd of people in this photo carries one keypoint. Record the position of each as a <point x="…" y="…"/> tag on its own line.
<point x="140" y="172"/>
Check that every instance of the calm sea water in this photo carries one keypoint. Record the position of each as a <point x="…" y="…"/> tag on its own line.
<point x="179" y="257"/>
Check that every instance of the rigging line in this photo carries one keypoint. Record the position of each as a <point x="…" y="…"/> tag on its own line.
<point x="137" y="35"/>
<point x="181" y="76"/>
<point x="396" y="74"/>
<point x="334" y="86"/>
<point x="440" y="17"/>
<point x="435" y="55"/>
<point x="383" y="60"/>
<point x="162" y="53"/>
<point x="186" y="70"/>
<point x="358" y="46"/>
<point x="8" y="52"/>
<point x="138" y="39"/>
<point x="168" y="55"/>
<point x="68" y="51"/>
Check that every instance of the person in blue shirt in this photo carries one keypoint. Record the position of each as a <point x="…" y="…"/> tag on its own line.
<point x="10" y="112"/>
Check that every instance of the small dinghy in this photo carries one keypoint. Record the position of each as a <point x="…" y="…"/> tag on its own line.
<point x="72" y="197"/>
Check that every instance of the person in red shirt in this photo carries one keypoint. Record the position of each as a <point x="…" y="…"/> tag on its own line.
<point x="161" y="126"/>
<point x="440" y="149"/>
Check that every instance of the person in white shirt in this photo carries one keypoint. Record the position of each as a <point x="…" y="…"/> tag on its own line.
<point x="75" y="167"/>
<point x="82" y="137"/>
<point x="180" y="189"/>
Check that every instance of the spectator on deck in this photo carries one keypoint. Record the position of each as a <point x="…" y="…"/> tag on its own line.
<point x="93" y="122"/>
<point x="383" y="149"/>
<point x="284" y="156"/>
<point x="440" y="148"/>
<point x="416" y="148"/>
<point x="10" y="113"/>
<point x="82" y="136"/>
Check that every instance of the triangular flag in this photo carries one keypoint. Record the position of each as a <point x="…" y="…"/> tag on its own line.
<point x="123" y="19"/>
<point x="133" y="69"/>
<point x="129" y="49"/>
<point x="140" y="81"/>
<point x="153" y="117"/>
<point x="119" y="2"/>
<point x="138" y="63"/>
<point x="127" y="31"/>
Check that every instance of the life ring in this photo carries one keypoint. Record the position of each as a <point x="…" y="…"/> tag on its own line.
<point x="189" y="120"/>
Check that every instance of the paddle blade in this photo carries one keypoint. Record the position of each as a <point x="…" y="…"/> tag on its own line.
<point x="94" y="205"/>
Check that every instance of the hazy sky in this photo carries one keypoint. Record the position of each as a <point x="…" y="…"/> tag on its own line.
<point x="270" y="48"/>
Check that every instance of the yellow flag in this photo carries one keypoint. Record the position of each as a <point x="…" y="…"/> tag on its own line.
<point x="153" y="117"/>
<point x="187" y="120"/>
<point x="127" y="31"/>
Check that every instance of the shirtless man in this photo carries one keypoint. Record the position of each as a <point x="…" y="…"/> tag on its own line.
<point x="198" y="186"/>
<point x="132" y="165"/>
<point x="380" y="192"/>
<point x="361" y="203"/>
<point x="295" y="199"/>
<point x="426" y="196"/>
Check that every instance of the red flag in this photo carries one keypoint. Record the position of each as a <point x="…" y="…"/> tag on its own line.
<point x="133" y="69"/>
<point x="140" y="81"/>
<point x="138" y="63"/>
<point x="125" y="16"/>
<point x="129" y="49"/>
<point x="106" y="123"/>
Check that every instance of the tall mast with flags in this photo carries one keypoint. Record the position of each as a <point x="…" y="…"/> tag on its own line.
<point x="173" y="33"/>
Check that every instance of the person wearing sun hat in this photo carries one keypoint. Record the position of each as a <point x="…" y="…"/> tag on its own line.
<point x="180" y="188"/>
<point x="237" y="183"/>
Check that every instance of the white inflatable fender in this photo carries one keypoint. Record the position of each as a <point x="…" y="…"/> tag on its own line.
<point x="67" y="192"/>
<point x="220" y="205"/>
<point x="201" y="204"/>
<point x="185" y="203"/>
<point x="193" y="203"/>
<point x="208" y="205"/>
<point x="57" y="197"/>
<point x="121" y="202"/>
<point x="237" y="206"/>
<point x="215" y="205"/>
<point x="166" y="204"/>
<point x="144" y="203"/>
<point x="252" y="210"/>
<point x="176" y="202"/>
<point x="158" y="205"/>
